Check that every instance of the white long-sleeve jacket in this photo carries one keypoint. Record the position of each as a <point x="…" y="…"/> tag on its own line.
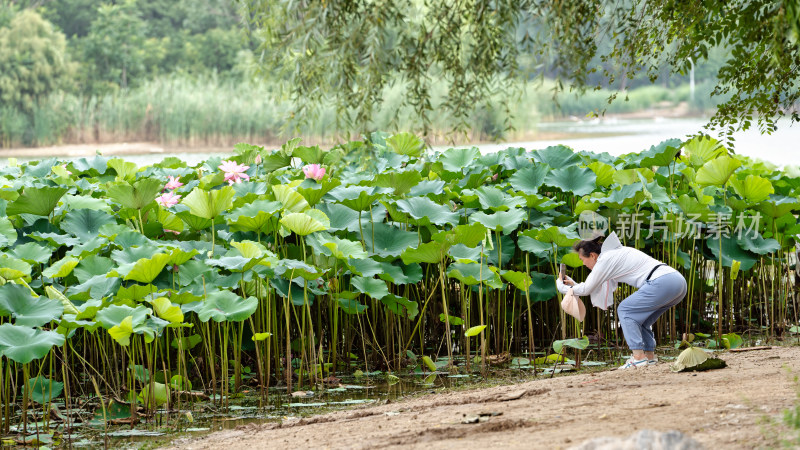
<point x="616" y="263"/>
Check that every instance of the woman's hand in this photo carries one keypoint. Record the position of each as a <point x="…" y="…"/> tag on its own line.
<point x="568" y="282"/>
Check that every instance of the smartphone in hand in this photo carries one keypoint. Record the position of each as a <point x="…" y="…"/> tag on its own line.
<point x="562" y="272"/>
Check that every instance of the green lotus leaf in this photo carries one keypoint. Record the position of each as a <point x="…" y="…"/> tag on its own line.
<point x="225" y="306"/>
<point x="654" y="193"/>
<point x="693" y="209"/>
<point x="137" y="195"/>
<point x="126" y="170"/>
<point x="401" y="182"/>
<point x="113" y="315"/>
<point x="366" y="267"/>
<point x="98" y="164"/>
<point x="469" y="235"/>
<point x="604" y="173"/>
<point x="209" y="204"/>
<point x="169" y="221"/>
<point x="370" y="286"/>
<point x="53" y="294"/>
<point x="76" y="202"/>
<point x="291" y="200"/>
<point x="580" y="344"/>
<point x="424" y="208"/>
<point x="61" y="268"/>
<point x="572" y="260"/>
<point x="31" y="253"/>
<point x="430" y="252"/>
<point x="257" y="216"/>
<point x="166" y="310"/>
<point x="296" y="269"/>
<point x="753" y="188"/>
<point x="195" y="223"/>
<point x="286" y="288"/>
<point x="12" y="268"/>
<point x="18" y="303"/>
<point x="543" y="288"/>
<point x="178" y="256"/>
<point x="154" y="394"/>
<point x="358" y="198"/>
<point x="630" y="176"/>
<point x="401" y="306"/>
<point x="579" y="181"/>
<point x="527" y="242"/>
<point x="122" y="332"/>
<point x="406" y="144"/>
<point x="717" y="171"/>
<point x="732" y="340"/>
<point x="758" y="244"/>
<point x="351" y="305"/>
<point x="132" y="254"/>
<point x="23" y="344"/>
<point x="778" y="206"/>
<point x="730" y="252"/>
<point x="98" y="287"/>
<point x="474" y="331"/>
<point x="530" y="179"/>
<point x="462" y="253"/>
<point x="42" y="390"/>
<point x="275" y="161"/>
<point x="505" y="221"/>
<point x="309" y="155"/>
<point x="400" y="274"/>
<point x="146" y="270"/>
<point x="234" y="263"/>
<point x="495" y="199"/>
<point x="85" y="223"/>
<point x="662" y="154"/>
<point x="37" y="201"/>
<point x="561" y="237"/>
<point x="302" y="224"/>
<point x="557" y="156"/>
<point x="249" y="249"/>
<point x="427" y="187"/>
<point x="8" y="234"/>
<point x="457" y="159"/>
<point x="186" y="342"/>
<point x="344" y="248"/>
<point x="702" y="149"/>
<point x="455" y="321"/>
<point x="341" y="217"/>
<point x="387" y="240"/>
<point x="473" y="273"/>
<point x="313" y="191"/>
<point x="520" y="280"/>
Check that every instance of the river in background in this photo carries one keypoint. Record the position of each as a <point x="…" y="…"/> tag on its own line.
<point x="615" y="136"/>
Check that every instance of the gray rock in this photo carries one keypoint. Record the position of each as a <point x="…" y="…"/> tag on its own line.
<point x="643" y="440"/>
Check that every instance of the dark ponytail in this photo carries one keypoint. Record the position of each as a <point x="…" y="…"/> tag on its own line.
<point x="588" y="246"/>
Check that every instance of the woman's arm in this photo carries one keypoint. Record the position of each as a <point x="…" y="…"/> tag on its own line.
<point x="599" y="275"/>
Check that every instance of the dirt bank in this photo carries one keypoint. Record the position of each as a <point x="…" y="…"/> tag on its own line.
<point x="732" y="408"/>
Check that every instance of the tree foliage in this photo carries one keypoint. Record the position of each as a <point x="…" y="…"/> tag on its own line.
<point x="350" y="51"/>
<point x="33" y="60"/>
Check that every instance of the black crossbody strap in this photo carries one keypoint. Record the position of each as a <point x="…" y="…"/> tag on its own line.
<point x="653" y="271"/>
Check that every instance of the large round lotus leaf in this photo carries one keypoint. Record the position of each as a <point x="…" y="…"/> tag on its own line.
<point x="758" y="244"/>
<point x="543" y="287"/>
<point x="473" y="273"/>
<point x="8" y="234"/>
<point x="248" y="249"/>
<point x="389" y="240"/>
<point x="54" y="294"/>
<point x="730" y="252"/>
<point x="401" y="182"/>
<point x="778" y="206"/>
<point x="689" y="358"/>
<point x="222" y="306"/>
<point x="344" y="248"/>
<point x="302" y="224"/>
<point x="462" y="253"/>
<point x="631" y="176"/>
<point x="258" y="216"/>
<point x="42" y="390"/>
<point x="662" y="154"/>
<point x="23" y="344"/>
<point x="39" y="201"/>
<point x="351" y="305"/>
<point x="233" y="263"/>
<point x="470" y="235"/>
<point x="341" y="217"/>
<point x="561" y="237"/>
<point x="426" y="187"/>
<point x="693" y="209"/>
<point x="309" y="155"/>
<point x="92" y="266"/>
<point x="85" y="223"/>
<point x="166" y="310"/>
<point x="113" y="315"/>
<point x="753" y="188"/>
<point x="423" y="207"/>
<point x="130" y="255"/>
<point x="12" y="268"/>
<point x="313" y="191"/>
<point x="136" y="195"/>
<point x="32" y="252"/>
<point x="505" y="221"/>
<point x="557" y="156"/>
<point x="400" y="274"/>
<point x="529" y="180"/>
<point x="580" y="344"/>
<point x="122" y="332"/>
<point x="374" y="288"/>
<point x="17" y="302"/>
<point x="366" y="267"/>
<point x="430" y="252"/>
<point x="209" y="204"/>
<point x="406" y="144"/>
<point x="702" y="149"/>
<point x="520" y="280"/>
<point x="507" y="247"/>
<point x="401" y="306"/>
<point x="457" y="159"/>
<point x="497" y="200"/>
<point x="61" y="268"/>
<point x="604" y="173"/>
<point x="358" y="198"/>
<point x="527" y="242"/>
<point x="579" y="181"/>
<point x="146" y="270"/>
<point x="293" y="268"/>
<point x="717" y="171"/>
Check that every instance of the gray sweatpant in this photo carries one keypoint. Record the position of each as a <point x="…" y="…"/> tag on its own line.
<point x="640" y="310"/>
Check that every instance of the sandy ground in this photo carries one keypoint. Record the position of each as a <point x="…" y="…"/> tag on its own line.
<point x="733" y="408"/>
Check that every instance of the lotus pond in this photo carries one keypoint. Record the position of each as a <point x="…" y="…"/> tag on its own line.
<point x="135" y="295"/>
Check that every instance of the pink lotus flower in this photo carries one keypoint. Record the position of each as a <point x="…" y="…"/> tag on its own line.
<point x="66" y="170"/>
<point x="168" y="199"/>
<point x="258" y="159"/>
<point x="173" y="183"/>
<point x="234" y="172"/>
<point x="314" y="171"/>
<point x="175" y="233"/>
